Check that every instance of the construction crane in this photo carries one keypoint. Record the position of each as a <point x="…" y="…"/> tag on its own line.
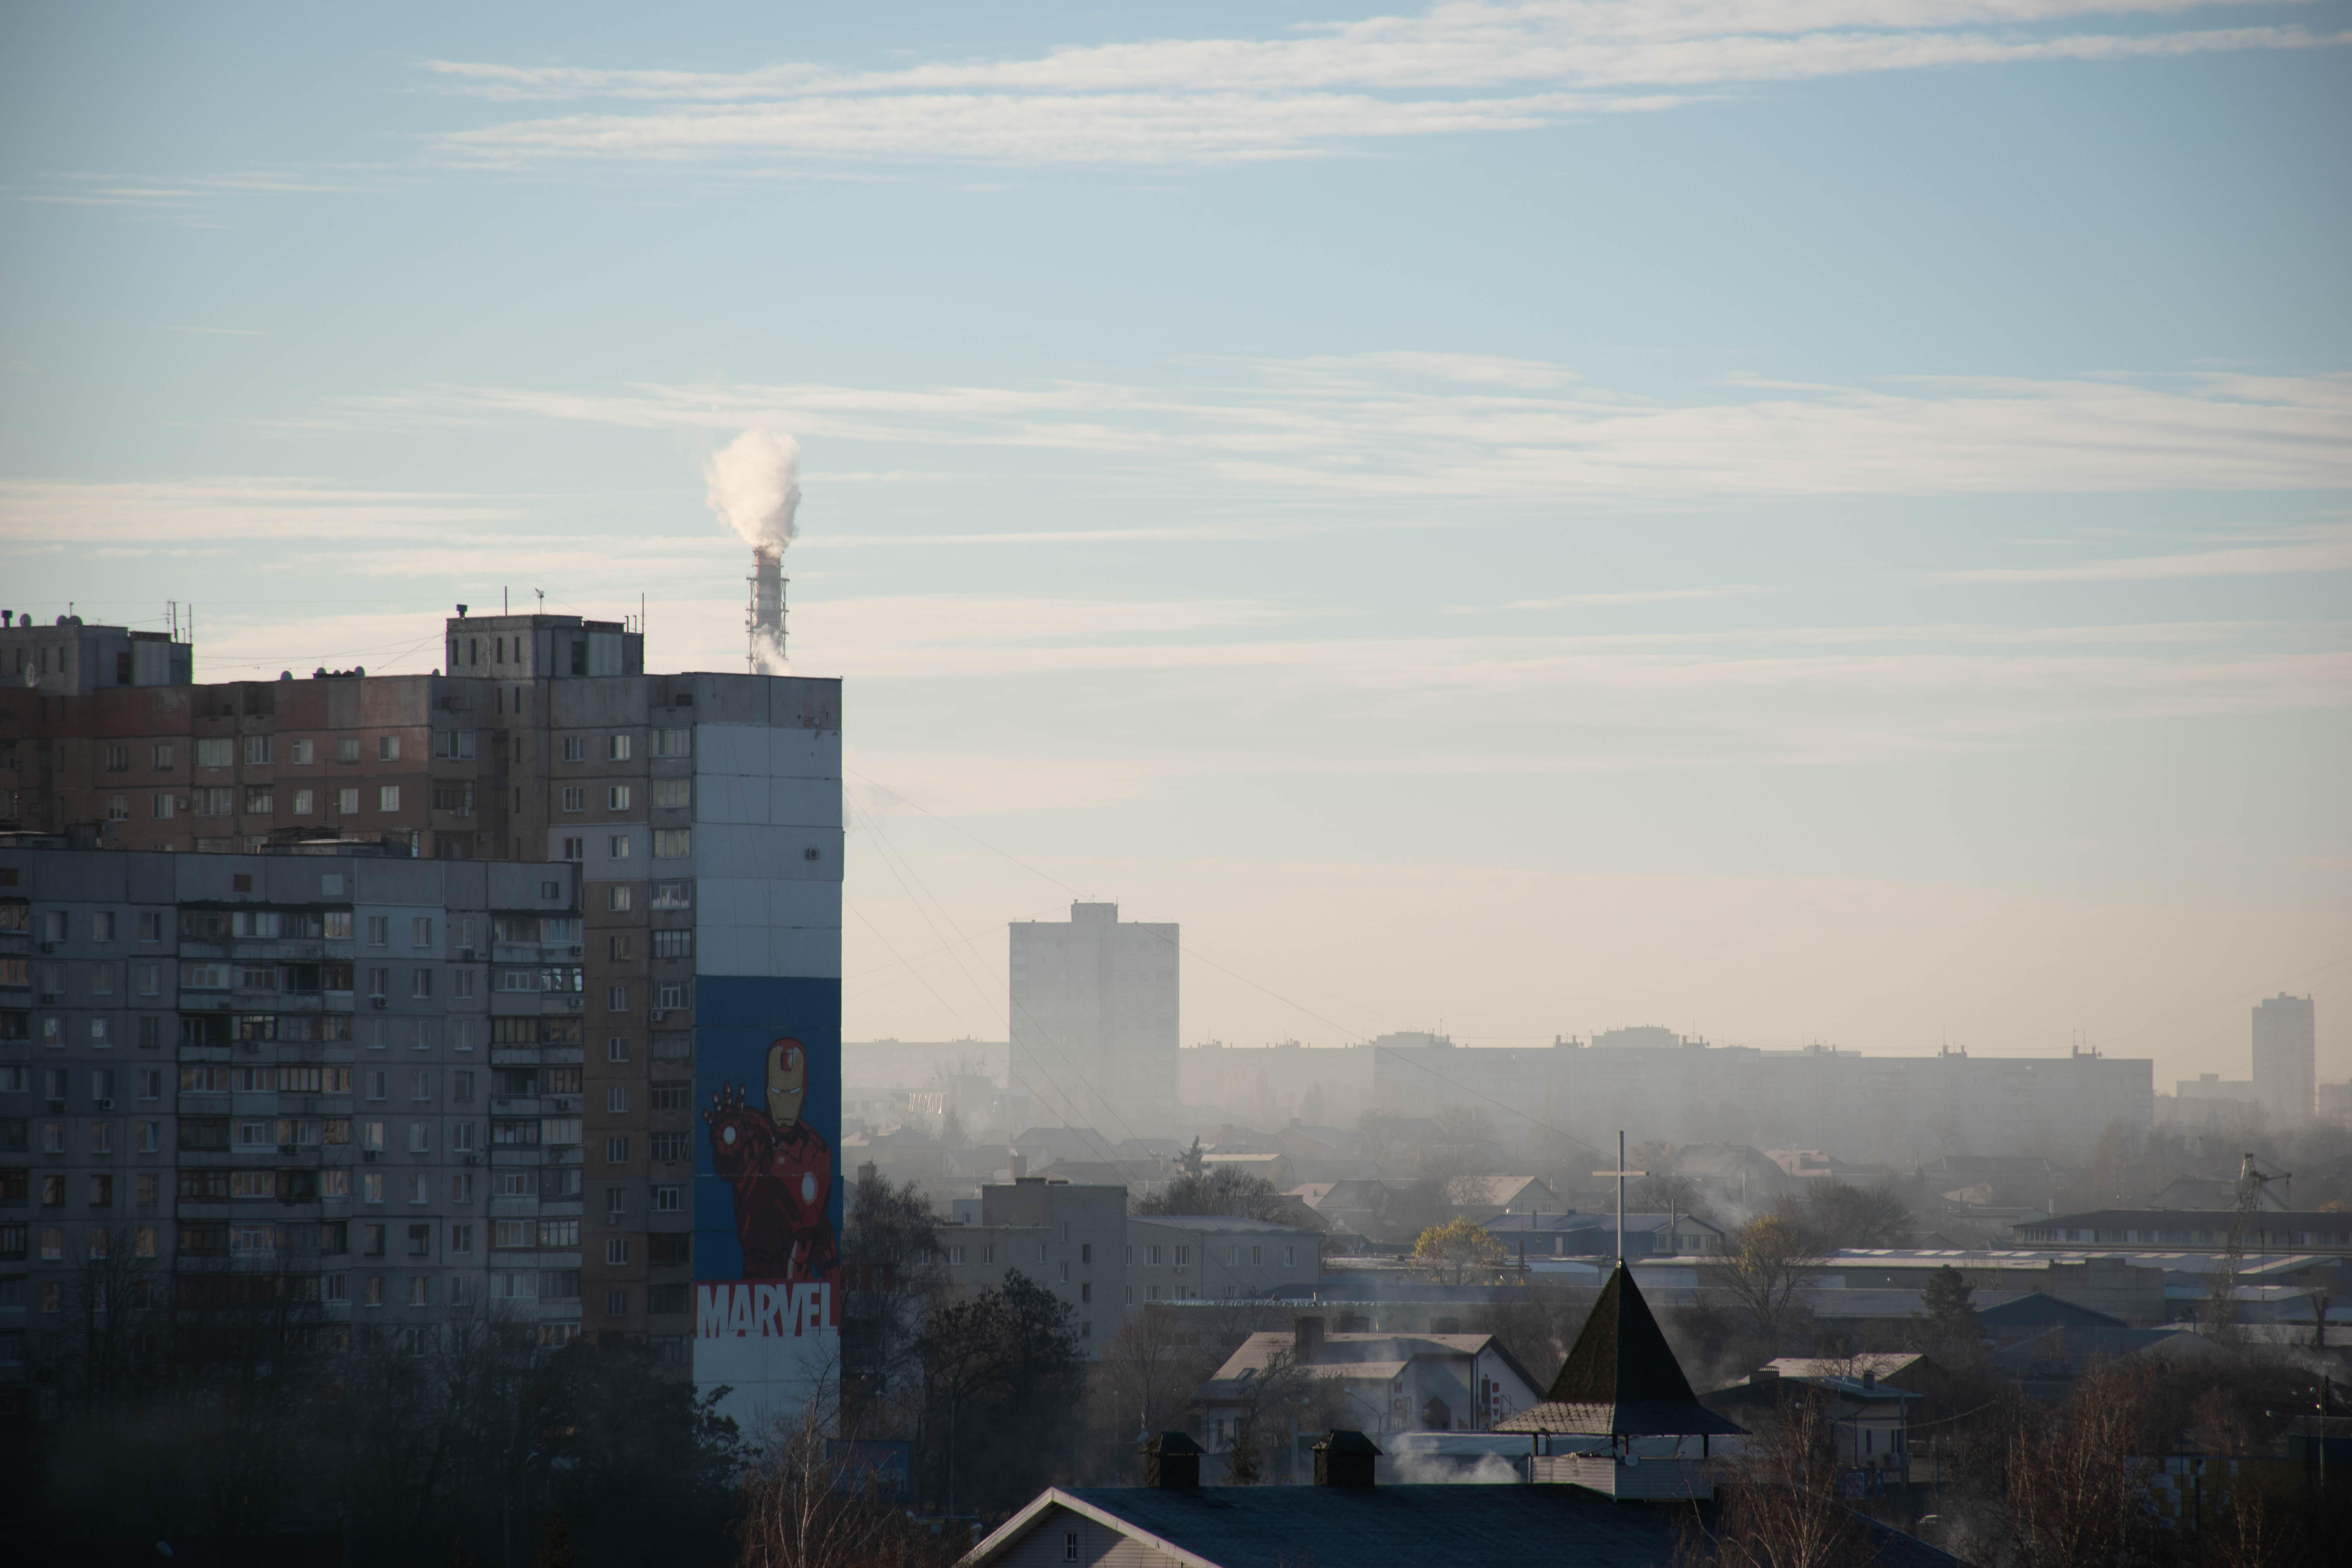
<point x="2252" y="1183"/>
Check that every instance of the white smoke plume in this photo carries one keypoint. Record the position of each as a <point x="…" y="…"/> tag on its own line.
<point x="755" y="488"/>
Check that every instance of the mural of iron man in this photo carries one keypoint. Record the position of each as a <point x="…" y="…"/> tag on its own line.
<point x="781" y="1171"/>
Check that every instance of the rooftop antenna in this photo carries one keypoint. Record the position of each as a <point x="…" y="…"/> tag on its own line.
<point x="542" y="599"/>
<point x="1620" y="1173"/>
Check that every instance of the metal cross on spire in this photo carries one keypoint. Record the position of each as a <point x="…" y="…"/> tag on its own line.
<point x="1620" y="1173"/>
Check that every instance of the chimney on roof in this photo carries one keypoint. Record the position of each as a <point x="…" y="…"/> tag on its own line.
<point x="1307" y="1340"/>
<point x="1020" y="1166"/>
<point x="1172" y="1462"/>
<point x="1869" y="1378"/>
<point x="865" y="1171"/>
<point x="1345" y="1459"/>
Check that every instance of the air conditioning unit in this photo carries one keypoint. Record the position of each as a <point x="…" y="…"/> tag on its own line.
<point x="370" y="1154"/>
<point x="379" y="1003"/>
<point x="658" y="1015"/>
<point x="106" y="1105"/>
<point x="473" y="1159"/>
<point x="575" y="953"/>
<point x="466" y="956"/>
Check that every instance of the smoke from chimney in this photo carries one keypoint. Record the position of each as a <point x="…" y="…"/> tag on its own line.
<point x="755" y="489"/>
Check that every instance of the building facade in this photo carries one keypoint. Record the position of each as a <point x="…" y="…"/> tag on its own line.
<point x="696" y="819"/>
<point x="312" y="1066"/>
<point x="1067" y="1236"/>
<point x="1094" y="1019"/>
<point x="2286" y="1058"/>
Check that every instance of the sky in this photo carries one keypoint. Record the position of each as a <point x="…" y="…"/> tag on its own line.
<point x="1795" y="521"/>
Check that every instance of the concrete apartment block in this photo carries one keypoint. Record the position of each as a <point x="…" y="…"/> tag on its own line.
<point x="1067" y="1236"/>
<point x="1094" y="1019"/>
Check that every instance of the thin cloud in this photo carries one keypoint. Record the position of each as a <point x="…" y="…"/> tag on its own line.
<point x="1634" y="596"/>
<point x="1453" y="69"/>
<point x="1320" y="431"/>
<point x="2329" y="553"/>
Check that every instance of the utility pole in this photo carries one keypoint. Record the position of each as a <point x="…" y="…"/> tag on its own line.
<point x="1620" y="1173"/>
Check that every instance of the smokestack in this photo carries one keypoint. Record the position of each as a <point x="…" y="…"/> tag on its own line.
<point x="755" y="489"/>
<point x="765" y="620"/>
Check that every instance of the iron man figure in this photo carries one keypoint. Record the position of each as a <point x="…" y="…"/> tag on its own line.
<point x="781" y="1171"/>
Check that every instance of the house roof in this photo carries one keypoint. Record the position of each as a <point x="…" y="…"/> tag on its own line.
<point x="1570" y="1220"/>
<point x="2036" y="1310"/>
<point x="1621" y="1376"/>
<point x="1353" y="1356"/>
<point x="1390" y="1527"/>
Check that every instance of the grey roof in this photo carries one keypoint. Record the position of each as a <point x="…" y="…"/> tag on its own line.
<point x="1395" y="1527"/>
<point x="1621" y="1377"/>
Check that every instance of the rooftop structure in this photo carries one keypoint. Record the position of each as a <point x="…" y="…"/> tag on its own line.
<point x="1094" y="1019"/>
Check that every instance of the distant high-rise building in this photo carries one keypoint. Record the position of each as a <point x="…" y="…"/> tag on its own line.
<point x="2286" y="1058"/>
<point x="1094" y="1019"/>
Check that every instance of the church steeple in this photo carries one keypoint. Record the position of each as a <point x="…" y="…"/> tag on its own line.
<point x="1621" y="1377"/>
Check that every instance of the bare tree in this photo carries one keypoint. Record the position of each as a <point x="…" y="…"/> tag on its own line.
<point x="1274" y="1402"/>
<point x="1147" y="1373"/>
<point x="2077" y="1493"/>
<point x="1765" y="1274"/>
<point x="1836" y="1215"/>
<point x="1783" y="1507"/>
<point x="801" y="1509"/>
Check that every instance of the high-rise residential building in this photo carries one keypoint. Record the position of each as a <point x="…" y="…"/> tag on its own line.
<point x="2286" y="1058"/>
<point x="695" y="820"/>
<point x="1094" y="1019"/>
<point x="303" y="1063"/>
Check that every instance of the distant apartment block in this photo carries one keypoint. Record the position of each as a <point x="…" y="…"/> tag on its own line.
<point x="2286" y="1059"/>
<point x="1094" y="1019"/>
<point x="1067" y="1236"/>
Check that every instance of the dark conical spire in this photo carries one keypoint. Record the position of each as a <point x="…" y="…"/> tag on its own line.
<point x="1621" y="1376"/>
<point x="1621" y="1353"/>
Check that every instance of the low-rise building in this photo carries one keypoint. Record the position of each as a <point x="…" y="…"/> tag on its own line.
<point x="1392" y="1383"/>
<point x="1183" y="1258"/>
<point x="1064" y="1236"/>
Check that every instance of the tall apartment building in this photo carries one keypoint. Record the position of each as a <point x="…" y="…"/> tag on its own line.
<point x="1094" y="1019"/>
<point x="318" y="1065"/>
<point x="697" y="818"/>
<point x="2286" y="1058"/>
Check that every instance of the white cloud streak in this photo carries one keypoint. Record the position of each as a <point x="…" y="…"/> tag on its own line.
<point x="1352" y="430"/>
<point x="2329" y="552"/>
<point x="1453" y="69"/>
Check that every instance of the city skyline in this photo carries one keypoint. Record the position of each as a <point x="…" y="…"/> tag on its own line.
<point x="1517" y="522"/>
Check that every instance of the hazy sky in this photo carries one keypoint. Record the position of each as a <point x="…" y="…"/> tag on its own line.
<point x="1794" y="520"/>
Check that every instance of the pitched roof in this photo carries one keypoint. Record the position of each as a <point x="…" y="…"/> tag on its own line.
<point x="1621" y="1376"/>
<point x="1353" y="1356"/>
<point x="1388" y="1527"/>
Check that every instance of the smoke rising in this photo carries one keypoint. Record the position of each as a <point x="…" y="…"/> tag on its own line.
<point x="755" y="488"/>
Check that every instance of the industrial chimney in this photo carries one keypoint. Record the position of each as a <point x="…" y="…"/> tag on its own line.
<point x="765" y="619"/>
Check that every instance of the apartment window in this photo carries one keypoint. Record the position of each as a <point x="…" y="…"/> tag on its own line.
<point x="666" y="1199"/>
<point x="163" y="805"/>
<point x="347" y="802"/>
<point x="575" y="797"/>
<point x="617" y="847"/>
<point x="1289" y="1256"/>
<point x="616" y="1099"/>
<point x="118" y="759"/>
<point x="618" y="747"/>
<point x="420" y="982"/>
<point x="671" y="1146"/>
<point x="616" y="1150"/>
<point x="387" y="748"/>
<point x="669" y="1097"/>
<point x="217" y="754"/>
<point x="674" y="945"/>
<point x="453" y="744"/>
<point x="617" y="1251"/>
<point x="672" y="895"/>
<point x="673" y="844"/>
<point x="215" y="802"/>
<point x="259" y="800"/>
<point x="378" y="931"/>
<point x="675" y="741"/>
<point x="461" y="1087"/>
<point x="347" y="749"/>
<point x="300" y="753"/>
<point x="387" y="797"/>
<point x="575" y="748"/>
<point x="616" y="1049"/>
<point x="670" y="795"/>
<point x="1153" y="1255"/>
<point x="616" y="798"/>
<point x="305" y="802"/>
<point x="575" y="849"/>
<point x="669" y="994"/>
<point x="461" y="984"/>
<point x="420" y="932"/>
<point x="118" y="808"/>
<point x="164" y="757"/>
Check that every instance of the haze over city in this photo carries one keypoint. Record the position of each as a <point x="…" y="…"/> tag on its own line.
<point x="884" y="787"/>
